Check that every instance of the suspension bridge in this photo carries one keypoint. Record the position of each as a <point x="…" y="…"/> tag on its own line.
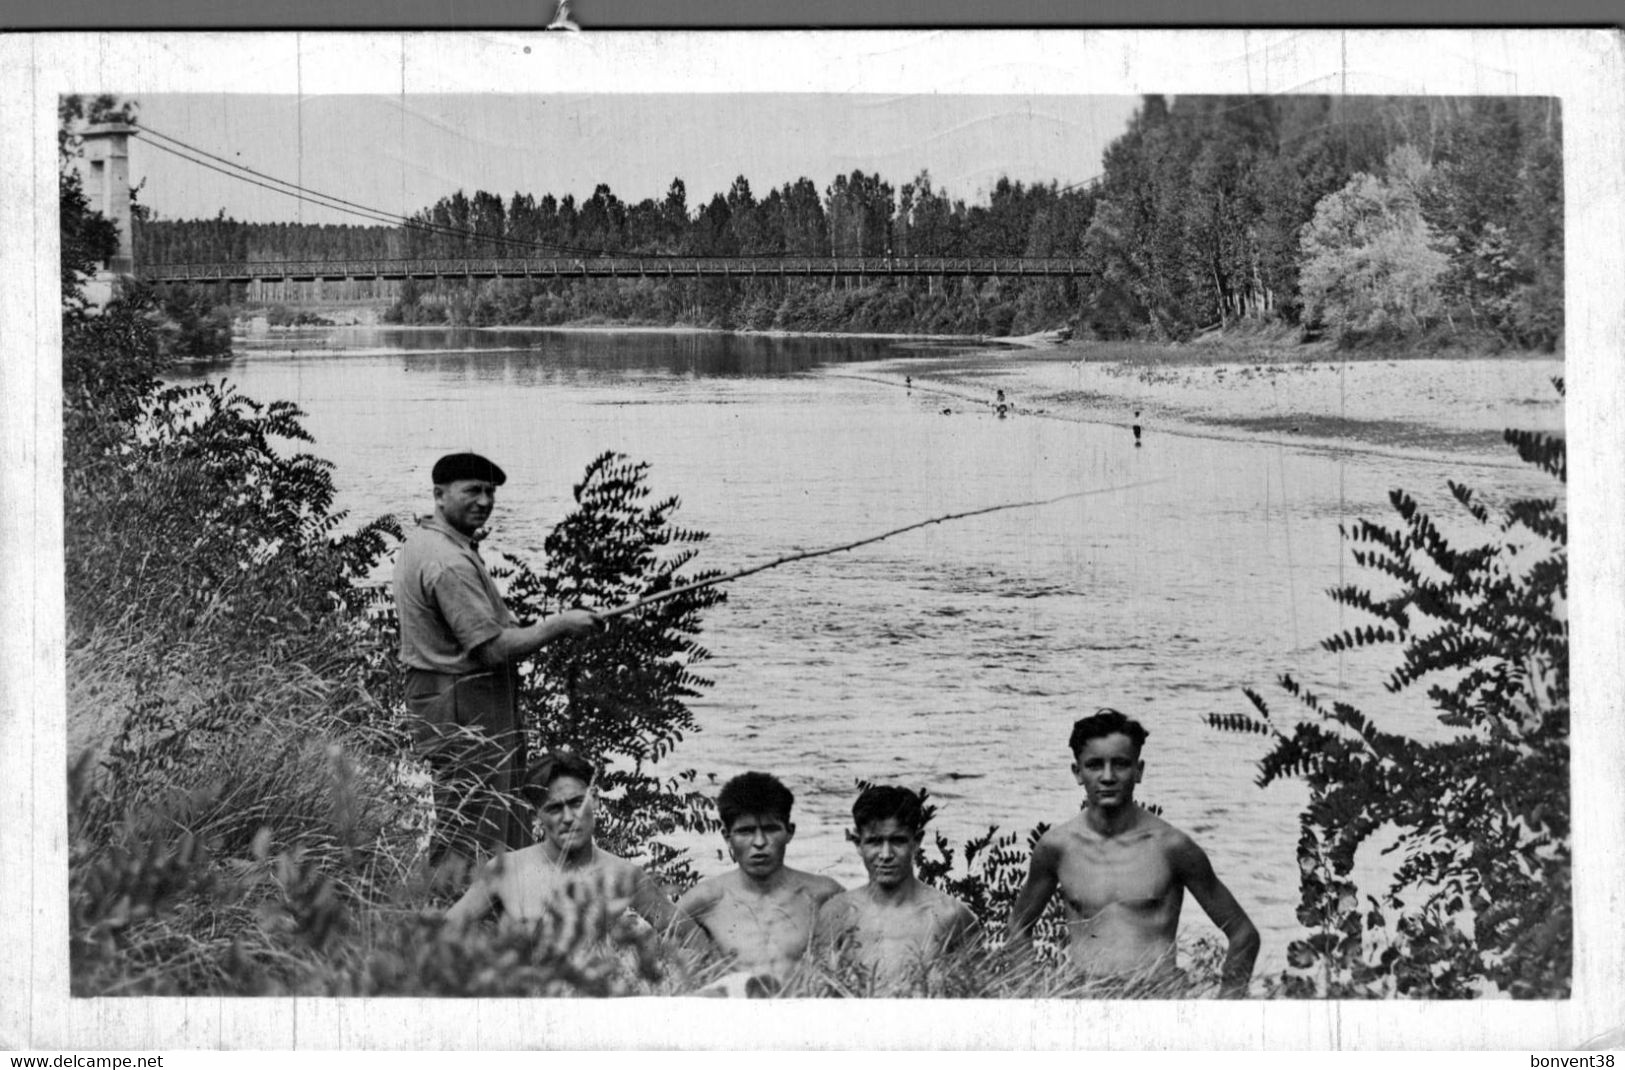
<point x="609" y="267"/>
<point x="107" y="151"/>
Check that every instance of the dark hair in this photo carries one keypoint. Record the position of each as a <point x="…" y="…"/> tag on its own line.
<point x="753" y="793"/>
<point x="1104" y="722"/>
<point x="879" y="802"/>
<point x="550" y="767"/>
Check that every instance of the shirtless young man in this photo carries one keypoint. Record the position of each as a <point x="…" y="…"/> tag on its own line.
<point x="524" y="882"/>
<point x="1123" y="872"/>
<point x="894" y="926"/>
<point x="761" y="914"/>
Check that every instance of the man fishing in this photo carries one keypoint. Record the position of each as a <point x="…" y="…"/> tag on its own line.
<point x="759" y="915"/>
<point x="1123" y="873"/>
<point x="894" y="926"/>
<point x="460" y="644"/>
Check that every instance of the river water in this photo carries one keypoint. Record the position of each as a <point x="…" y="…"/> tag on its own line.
<point x="954" y="657"/>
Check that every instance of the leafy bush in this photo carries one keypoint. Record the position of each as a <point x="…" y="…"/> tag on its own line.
<point x="621" y="697"/>
<point x="89" y="239"/>
<point x="283" y="316"/>
<point x="1481" y="820"/>
<point x="995" y="865"/>
<point x="190" y="325"/>
<point x="233" y="535"/>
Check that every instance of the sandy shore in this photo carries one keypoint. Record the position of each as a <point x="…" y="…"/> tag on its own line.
<point x="1295" y="395"/>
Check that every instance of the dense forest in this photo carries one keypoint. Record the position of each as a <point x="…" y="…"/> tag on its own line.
<point x="1432" y="220"/>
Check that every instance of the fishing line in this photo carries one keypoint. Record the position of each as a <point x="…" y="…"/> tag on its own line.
<point x="661" y="596"/>
<point x="633" y="607"/>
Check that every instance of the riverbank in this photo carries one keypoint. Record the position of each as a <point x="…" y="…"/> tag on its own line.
<point x="1307" y="396"/>
<point x="1247" y="385"/>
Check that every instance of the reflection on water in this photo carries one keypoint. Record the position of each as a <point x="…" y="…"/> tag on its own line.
<point x="567" y="354"/>
<point x="953" y="657"/>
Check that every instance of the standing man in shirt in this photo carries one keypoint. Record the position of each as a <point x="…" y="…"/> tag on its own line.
<point x="460" y="645"/>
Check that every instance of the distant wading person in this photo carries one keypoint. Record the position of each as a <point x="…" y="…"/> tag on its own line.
<point x="460" y="644"/>
<point x="894" y="926"/>
<point x="759" y="916"/>
<point x="1123" y="872"/>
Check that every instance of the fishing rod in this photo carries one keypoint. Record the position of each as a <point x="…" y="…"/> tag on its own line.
<point x="633" y="607"/>
<point x="642" y="603"/>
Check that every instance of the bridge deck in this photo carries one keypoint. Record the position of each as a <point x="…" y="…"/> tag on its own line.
<point x="614" y="267"/>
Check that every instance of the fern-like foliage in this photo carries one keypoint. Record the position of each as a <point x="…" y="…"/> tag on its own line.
<point x="1480" y="899"/>
<point x="992" y="868"/>
<point x="622" y="697"/>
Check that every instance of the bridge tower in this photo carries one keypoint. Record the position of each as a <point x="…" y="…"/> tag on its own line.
<point x="107" y="187"/>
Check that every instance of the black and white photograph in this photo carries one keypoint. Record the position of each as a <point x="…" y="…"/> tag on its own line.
<point x="1044" y="533"/>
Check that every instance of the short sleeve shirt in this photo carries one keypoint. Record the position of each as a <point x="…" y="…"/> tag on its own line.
<point x="446" y="600"/>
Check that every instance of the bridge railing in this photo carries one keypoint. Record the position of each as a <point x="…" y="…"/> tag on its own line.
<point x="610" y="267"/>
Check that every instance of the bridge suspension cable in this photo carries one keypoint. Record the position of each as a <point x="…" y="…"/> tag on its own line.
<point x="297" y="192"/>
<point x="339" y="204"/>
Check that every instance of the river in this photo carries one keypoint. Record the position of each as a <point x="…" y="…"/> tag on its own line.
<point x="954" y="657"/>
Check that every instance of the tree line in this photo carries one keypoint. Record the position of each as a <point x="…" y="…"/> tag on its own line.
<point x="1368" y="217"/>
<point x="857" y="215"/>
<point x="1361" y="218"/>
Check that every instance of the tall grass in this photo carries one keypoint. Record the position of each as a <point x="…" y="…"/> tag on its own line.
<point x="986" y="970"/>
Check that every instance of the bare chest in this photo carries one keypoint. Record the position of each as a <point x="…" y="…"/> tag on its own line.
<point x="893" y="931"/>
<point x="533" y="893"/>
<point x="760" y="928"/>
<point x="1133" y="875"/>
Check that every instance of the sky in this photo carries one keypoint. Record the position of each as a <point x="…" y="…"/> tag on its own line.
<point x="403" y="153"/>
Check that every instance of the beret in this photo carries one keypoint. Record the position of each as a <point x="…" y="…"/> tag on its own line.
<point x="455" y="466"/>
